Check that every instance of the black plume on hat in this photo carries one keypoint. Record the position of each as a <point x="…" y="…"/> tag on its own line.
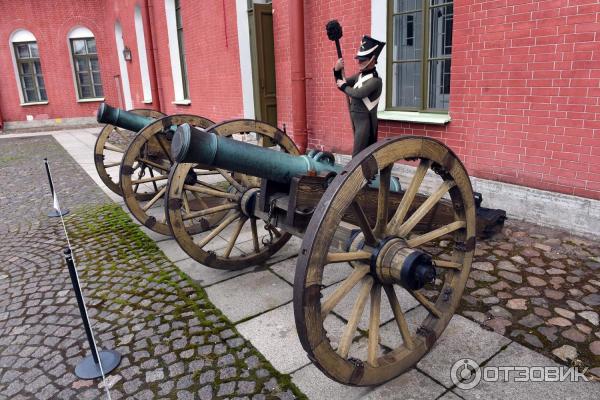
<point x="369" y="47"/>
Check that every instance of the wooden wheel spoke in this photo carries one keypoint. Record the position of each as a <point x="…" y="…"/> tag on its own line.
<point x="153" y="200"/>
<point x="234" y="236"/>
<point x="230" y="179"/>
<point x="374" y="320"/>
<point x="199" y="199"/>
<point x="345" y="257"/>
<point x="208" y="211"/>
<point x="409" y="195"/>
<point x="120" y="133"/>
<point x="186" y="204"/>
<point x="363" y="223"/>
<point x="224" y="224"/>
<point x="399" y="317"/>
<point x="254" y="235"/>
<point x="164" y="149"/>
<point x="211" y="192"/>
<point x="341" y="291"/>
<point x="427" y="205"/>
<point x="426" y="303"/>
<point x="112" y="147"/>
<point x="153" y="164"/>
<point x="429" y="236"/>
<point x="150" y="179"/>
<point x="446" y="264"/>
<point x="112" y="164"/>
<point x="208" y="185"/>
<point x="385" y="176"/>
<point x="357" y="312"/>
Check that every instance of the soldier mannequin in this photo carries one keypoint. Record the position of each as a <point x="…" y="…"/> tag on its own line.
<point x="364" y="90"/>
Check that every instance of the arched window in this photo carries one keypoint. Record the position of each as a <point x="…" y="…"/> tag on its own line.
<point x="141" y="45"/>
<point x="85" y="63"/>
<point x="28" y="69"/>
<point x="176" y="51"/>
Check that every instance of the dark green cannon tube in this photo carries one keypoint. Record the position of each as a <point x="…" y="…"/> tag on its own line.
<point x="195" y="145"/>
<point x="121" y="118"/>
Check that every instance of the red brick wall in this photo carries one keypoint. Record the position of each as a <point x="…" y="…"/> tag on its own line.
<point x="212" y="56"/>
<point x="52" y="23"/>
<point x="525" y="94"/>
<point x="211" y="44"/>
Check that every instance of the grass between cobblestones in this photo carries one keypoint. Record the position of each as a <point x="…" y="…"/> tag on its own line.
<point x="128" y="274"/>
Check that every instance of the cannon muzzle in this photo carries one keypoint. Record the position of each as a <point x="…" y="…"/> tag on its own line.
<point x="194" y="145"/>
<point x="121" y="118"/>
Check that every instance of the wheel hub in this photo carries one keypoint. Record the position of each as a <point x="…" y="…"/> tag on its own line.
<point x="398" y="263"/>
<point x="248" y="201"/>
<point x="191" y="178"/>
<point x="393" y="262"/>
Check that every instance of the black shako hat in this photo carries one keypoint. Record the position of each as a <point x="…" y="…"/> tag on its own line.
<point x="369" y="47"/>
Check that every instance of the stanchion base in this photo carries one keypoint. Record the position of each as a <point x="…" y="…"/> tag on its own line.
<point x="55" y="213"/>
<point x="88" y="369"/>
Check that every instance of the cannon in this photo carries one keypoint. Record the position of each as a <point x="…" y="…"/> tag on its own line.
<point x="137" y="142"/>
<point x="362" y="235"/>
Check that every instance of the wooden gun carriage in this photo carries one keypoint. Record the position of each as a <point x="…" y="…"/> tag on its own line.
<point x="399" y="218"/>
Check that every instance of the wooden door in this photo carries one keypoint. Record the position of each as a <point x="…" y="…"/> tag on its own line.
<point x="264" y="61"/>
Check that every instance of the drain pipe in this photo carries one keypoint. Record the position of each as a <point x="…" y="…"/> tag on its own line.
<point x="298" y="74"/>
<point x="153" y="62"/>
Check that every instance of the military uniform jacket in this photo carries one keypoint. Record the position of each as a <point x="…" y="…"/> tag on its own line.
<point x="364" y="90"/>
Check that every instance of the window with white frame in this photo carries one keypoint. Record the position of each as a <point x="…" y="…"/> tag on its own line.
<point x="419" y="54"/>
<point x="85" y="64"/>
<point x="141" y="44"/>
<point x="28" y="67"/>
<point x="177" y="51"/>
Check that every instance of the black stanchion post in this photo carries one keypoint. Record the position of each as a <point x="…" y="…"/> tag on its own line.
<point x="56" y="211"/>
<point x="99" y="363"/>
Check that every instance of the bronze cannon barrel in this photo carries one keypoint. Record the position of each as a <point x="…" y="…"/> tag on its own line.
<point x="193" y="145"/>
<point x="121" y="118"/>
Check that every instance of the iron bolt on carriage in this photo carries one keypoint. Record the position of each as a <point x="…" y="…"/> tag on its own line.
<point x="400" y="220"/>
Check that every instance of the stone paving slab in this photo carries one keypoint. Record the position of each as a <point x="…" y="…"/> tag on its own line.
<point x="206" y="276"/>
<point x="411" y="385"/>
<point x="312" y="382"/>
<point x="518" y="355"/>
<point x="332" y="274"/>
<point x="250" y="294"/>
<point x="462" y="338"/>
<point x="274" y="335"/>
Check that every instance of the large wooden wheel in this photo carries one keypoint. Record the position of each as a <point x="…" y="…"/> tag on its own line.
<point x="416" y="271"/>
<point x="216" y="247"/>
<point x="110" y="146"/>
<point x="145" y="169"/>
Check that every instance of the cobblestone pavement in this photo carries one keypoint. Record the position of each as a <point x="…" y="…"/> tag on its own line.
<point x="540" y="287"/>
<point x="175" y="343"/>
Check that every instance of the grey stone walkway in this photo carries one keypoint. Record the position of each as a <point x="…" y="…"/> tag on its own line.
<point x="174" y="342"/>
<point x="258" y="301"/>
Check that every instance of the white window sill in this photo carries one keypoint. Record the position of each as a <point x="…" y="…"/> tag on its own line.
<point x="413" y="116"/>
<point x="147" y="101"/>
<point x="35" y="103"/>
<point x="90" y="100"/>
<point x="182" y="102"/>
